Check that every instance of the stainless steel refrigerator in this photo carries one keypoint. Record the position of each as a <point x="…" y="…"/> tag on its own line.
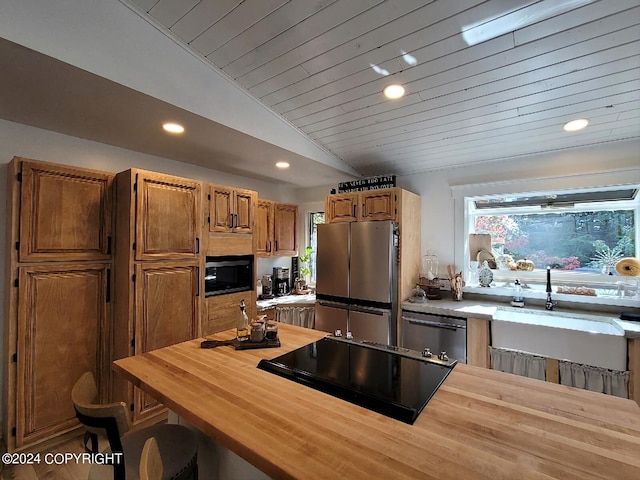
<point x="356" y="279"/>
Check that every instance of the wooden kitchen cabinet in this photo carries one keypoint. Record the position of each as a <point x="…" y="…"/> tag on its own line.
<point x="157" y="271"/>
<point x="223" y="311"/>
<point x="231" y="210"/>
<point x="285" y="229"/>
<point x="270" y="313"/>
<point x="276" y="229"/>
<point x="68" y="211"/>
<point x="478" y="335"/>
<point x="58" y="298"/>
<point x="62" y="333"/>
<point x="167" y="213"/>
<point x="166" y="313"/>
<point x="264" y="228"/>
<point x="362" y="206"/>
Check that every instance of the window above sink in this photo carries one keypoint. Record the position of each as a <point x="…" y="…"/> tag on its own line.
<point x="580" y="233"/>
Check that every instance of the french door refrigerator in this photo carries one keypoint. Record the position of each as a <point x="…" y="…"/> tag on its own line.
<point x="356" y="279"/>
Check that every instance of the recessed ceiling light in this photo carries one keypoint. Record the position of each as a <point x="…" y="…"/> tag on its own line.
<point x="575" y="125"/>
<point x="282" y="164"/>
<point x="393" y="91"/>
<point x="173" y="127"/>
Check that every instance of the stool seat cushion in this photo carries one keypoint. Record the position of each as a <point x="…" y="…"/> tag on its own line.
<point x="178" y="449"/>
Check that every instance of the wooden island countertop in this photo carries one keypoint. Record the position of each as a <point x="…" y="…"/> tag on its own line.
<point x="481" y="424"/>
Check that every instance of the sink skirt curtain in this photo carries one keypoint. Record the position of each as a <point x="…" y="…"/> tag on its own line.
<point x="519" y="363"/>
<point x="300" y="316"/>
<point x="596" y="379"/>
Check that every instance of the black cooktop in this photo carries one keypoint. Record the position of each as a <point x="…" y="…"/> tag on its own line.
<point x="393" y="381"/>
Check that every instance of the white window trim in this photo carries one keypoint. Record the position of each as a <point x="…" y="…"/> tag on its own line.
<point x="608" y="180"/>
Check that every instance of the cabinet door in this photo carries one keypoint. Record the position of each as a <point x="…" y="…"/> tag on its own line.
<point x="62" y="333"/>
<point x="167" y="217"/>
<point x="341" y="208"/>
<point x="244" y="205"/>
<point x="378" y="205"/>
<point x="166" y="313"/>
<point x="285" y="229"/>
<point x="264" y="228"/>
<point x="221" y="209"/>
<point x="65" y="213"/>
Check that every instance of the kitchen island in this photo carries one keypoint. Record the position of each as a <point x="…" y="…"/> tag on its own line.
<point x="480" y="424"/>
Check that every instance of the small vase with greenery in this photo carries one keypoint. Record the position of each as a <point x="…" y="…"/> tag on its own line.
<point x="305" y="272"/>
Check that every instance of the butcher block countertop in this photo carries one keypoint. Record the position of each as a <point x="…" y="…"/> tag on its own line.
<point x="481" y="424"/>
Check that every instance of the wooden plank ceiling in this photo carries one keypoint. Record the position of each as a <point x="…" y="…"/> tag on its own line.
<point x="485" y="80"/>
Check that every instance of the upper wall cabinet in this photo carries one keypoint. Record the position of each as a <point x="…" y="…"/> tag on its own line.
<point x="167" y="215"/>
<point x="65" y="213"/>
<point x="276" y="229"/>
<point x="362" y="206"/>
<point x="231" y="210"/>
<point x="264" y="228"/>
<point x="285" y="229"/>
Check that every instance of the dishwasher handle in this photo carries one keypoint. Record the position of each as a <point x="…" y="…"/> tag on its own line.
<point x="428" y="323"/>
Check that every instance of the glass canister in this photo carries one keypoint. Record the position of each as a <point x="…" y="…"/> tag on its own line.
<point x="430" y="265"/>
<point x="256" y="333"/>
<point x="271" y="330"/>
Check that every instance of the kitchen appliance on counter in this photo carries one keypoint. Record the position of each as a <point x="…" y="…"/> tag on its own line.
<point x="393" y="381"/>
<point x="228" y="274"/>
<point x="356" y="279"/>
<point x="267" y="287"/>
<point x="440" y="333"/>
<point x="281" y="285"/>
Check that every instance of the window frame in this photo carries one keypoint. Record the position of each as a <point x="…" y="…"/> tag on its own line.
<point x="537" y="278"/>
<point x="311" y="226"/>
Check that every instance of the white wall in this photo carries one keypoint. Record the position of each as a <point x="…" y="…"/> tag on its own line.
<point x="442" y="191"/>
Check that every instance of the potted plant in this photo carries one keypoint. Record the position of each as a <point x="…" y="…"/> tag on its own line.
<point x="303" y="260"/>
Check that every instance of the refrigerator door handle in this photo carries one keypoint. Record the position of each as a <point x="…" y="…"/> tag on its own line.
<point x="330" y="304"/>
<point x="369" y="310"/>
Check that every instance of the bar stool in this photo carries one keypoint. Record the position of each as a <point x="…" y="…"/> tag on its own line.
<point x="177" y="445"/>
<point x="150" y="461"/>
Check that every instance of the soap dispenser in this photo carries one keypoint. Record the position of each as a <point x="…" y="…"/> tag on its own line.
<point x="518" y="300"/>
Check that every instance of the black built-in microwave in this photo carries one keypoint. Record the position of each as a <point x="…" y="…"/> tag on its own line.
<point x="228" y="274"/>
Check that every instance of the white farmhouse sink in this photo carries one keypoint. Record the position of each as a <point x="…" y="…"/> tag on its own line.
<point x="584" y="339"/>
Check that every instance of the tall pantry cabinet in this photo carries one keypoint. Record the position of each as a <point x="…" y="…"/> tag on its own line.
<point x="157" y="271"/>
<point x="57" y="311"/>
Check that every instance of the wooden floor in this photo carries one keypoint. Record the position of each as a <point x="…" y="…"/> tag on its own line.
<point x="69" y="471"/>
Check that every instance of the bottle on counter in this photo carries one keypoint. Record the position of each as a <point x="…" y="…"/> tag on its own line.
<point x="518" y="300"/>
<point x="242" y="330"/>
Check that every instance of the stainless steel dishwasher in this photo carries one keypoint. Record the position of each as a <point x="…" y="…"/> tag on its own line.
<point x="440" y="333"/>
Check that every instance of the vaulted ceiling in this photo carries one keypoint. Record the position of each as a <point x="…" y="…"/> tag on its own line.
<point x="484" y="80"/>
